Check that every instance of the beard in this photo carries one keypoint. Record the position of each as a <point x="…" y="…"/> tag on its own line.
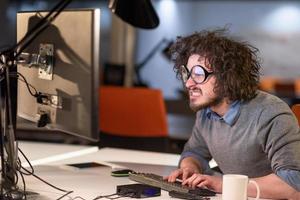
<point x="209" y="103"/>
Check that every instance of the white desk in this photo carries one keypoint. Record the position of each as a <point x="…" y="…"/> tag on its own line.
<point x="87" y="183"/>
<point x="43" y="153"/>
<point x="91" y="182"/>
<point x="115" y="158"/>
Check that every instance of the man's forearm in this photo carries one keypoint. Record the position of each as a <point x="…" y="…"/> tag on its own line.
<point x="272" y="186"/>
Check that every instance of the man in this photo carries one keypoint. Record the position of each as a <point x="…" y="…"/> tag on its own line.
<point x="245" y="130"/>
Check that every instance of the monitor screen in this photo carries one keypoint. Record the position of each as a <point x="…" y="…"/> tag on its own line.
<point x="68" y="98"/>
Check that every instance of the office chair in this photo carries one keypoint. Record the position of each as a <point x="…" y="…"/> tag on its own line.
<point x="133" y="118"/>
<point x="285" y="89"/>
<point x="296" y="111"/>
<point x="268" y="84"/>
<point x="297" y="86"/>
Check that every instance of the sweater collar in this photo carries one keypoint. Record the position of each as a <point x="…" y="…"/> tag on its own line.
<point x="230" y="116"/>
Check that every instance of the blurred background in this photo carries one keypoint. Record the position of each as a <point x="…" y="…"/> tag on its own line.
<point x="272" y="26"/>
<point x="132" y="56"/>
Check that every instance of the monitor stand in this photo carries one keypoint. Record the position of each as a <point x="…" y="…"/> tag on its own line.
<point x="20" y="195"/>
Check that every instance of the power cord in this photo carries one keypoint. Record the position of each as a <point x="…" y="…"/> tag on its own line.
<point x="114" y="196"/>
<point x="31" y="173"/>
<point x="28" y="85"/>
<point x="23" y="171"/>
<point x="41" y="98"/>
<point x="78" y="197"/>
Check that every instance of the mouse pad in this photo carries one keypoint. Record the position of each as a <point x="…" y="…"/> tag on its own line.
<point x="87" y="165"/>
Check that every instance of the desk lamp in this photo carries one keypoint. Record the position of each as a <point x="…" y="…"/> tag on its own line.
<point x="8" y="60"/>
<point x="138" y="13"/>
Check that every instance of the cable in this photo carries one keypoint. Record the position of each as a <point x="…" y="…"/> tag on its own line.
<point x="32" y="174"/>
<point x="78" y="197"/>
<point x="118" y="197"/>
<point x="105" y="196"/>
<point x="110" y="196"/>
<point x="53" y="186"/>
<point x="41" y="98"/>
<point x="28" y="85"/>
<point x="10" y="193"/>
<point x="31" y="167"/>
<point x="65" y="195"/>
<point x="24" y="186"/>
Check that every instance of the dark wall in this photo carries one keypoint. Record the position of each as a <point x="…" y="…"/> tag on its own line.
<point x="7" y="33"/>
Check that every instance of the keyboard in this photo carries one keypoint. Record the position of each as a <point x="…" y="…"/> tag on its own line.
<point x="157" y="181"/>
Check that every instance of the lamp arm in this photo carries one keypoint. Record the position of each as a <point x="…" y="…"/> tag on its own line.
<point x="34" y="32"/>
<point x="40" y="27"/>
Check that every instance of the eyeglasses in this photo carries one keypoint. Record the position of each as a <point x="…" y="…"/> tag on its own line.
<point x="198" y="73"/>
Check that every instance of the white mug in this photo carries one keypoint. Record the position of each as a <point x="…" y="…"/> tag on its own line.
<point x="235" y="186"/>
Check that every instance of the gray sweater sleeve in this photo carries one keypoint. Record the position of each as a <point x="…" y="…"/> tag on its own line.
<point x="197" y="148"/>
<point x="279" y="136"/>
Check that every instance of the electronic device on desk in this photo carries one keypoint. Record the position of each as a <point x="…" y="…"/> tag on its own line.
<point x="157" y="181"/>
<point x="137" y="191"/>
<point x="190" y="196"/>
<point x="57" y="60"/>
<point x="62" y="67"/>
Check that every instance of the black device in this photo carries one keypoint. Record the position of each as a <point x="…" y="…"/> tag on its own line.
<point x="158" y="181"/>
<point x="182" y="195"/>
<point x="138" y="191"/>
<point x="87" y="165"/>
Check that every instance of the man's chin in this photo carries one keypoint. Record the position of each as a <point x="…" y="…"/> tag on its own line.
<point x="199" y="106"/>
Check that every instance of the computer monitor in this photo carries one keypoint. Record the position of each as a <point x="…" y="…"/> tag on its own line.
<point x="68" y="100"/>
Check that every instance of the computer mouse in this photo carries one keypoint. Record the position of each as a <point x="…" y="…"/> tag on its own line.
<point x="121" y="172"/>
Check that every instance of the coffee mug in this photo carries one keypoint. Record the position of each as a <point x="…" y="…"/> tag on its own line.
<point x="235" y="187"/>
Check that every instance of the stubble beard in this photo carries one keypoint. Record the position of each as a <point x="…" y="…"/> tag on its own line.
<point x="211" y="102"/>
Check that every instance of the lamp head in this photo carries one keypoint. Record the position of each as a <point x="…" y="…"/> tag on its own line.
<point x="138" y="13"/>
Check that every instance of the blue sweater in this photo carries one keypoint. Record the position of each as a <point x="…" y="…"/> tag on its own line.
<point x="253" y="138"/>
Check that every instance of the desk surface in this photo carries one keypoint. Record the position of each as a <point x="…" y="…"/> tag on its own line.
<point x="90" y="182"/>
<point x="43" y="153"/>
<point x="112" y="155"/>
<point x="86" y="183"/>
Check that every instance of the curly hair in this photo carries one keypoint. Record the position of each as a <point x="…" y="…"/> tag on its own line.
<point x="235" y="64"/>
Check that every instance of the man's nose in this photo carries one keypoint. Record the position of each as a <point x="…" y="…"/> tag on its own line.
<point x="190" y="82"/>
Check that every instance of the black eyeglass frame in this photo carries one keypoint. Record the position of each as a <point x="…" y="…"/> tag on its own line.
<point x="189" y="74"/>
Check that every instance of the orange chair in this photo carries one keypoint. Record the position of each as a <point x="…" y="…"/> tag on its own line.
<point x="132" y="118"/>
<point x="297" y="87"/>
<point x="280" y="87"/>
<point x="285" y="89"/>
<point x="268" y="84"/>
<point x="296" y="111"/>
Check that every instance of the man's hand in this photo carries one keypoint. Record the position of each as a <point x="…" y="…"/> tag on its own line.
<point x="204" y="181"/>
<point x="182" y="173"/>
<point x="188" y="167"/>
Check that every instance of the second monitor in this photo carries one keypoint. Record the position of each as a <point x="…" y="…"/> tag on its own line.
<point x="62" y="68"/>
